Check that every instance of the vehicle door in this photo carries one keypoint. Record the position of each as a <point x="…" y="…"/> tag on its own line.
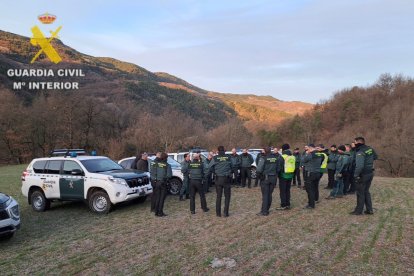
<point x="37" y="175"/>
<point x="71" y="182"/>
<point x="50" y="183"/>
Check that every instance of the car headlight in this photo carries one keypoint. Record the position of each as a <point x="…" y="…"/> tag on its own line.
<point x="14" y="212"/>
<point x="119" y="181"/>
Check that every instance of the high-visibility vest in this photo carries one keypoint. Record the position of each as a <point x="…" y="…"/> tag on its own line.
<point x="325" y="161"/>
<point x="290" y="163"/>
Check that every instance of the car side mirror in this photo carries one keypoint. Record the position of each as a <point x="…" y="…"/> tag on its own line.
<point x="77" y="172"/>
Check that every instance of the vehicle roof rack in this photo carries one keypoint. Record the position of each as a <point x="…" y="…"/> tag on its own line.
<point x="66" y="152"/>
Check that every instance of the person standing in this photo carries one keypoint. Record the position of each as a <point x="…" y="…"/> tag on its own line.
<point x="363" y="175"/>
<point x="296" y="175"/>
<point x="207" y="174"/>
<point x="246" y="161"/>
<point x="259" y="155"/>
<point x="340" y="173"/>
<point x="313" y="175"/>
<point x="235" y="166"/>
<point x="352" y="164"/>
<point x="160" y="173"/>
<point x="195" y="171"/>
<point x="221" y="165"/>
<point x="267" y="171"/>
<point x="142" y="164"/>
<point x="184" y="170"/>
<point x="287" y="165"/>
<point x="153" y="195"/>
<point x="332" y="159"/>
<point x="304" y="165"/>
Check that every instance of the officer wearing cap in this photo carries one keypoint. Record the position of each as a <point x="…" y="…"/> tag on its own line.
<point x="267" y="170"/>
<point x="313" y="175"/>
<point x="221" y="166"/>
<point x="363" y="175"/>
<point x="195" y="171"/>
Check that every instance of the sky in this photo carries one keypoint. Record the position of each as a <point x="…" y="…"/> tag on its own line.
<point x="294" y="50"/>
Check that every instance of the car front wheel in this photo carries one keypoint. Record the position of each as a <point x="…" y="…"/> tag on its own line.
<point x="99" y="202"/>
<point x="174" y="186"/>
<point x="39" y="202"/>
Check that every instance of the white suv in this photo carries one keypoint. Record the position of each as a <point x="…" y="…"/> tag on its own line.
<point x="96" y="179"/>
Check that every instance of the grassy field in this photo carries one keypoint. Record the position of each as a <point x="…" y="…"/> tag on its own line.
<point x="69" y="239"/>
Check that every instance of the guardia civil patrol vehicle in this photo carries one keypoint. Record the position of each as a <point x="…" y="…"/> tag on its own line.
<point x="71" y="175"/>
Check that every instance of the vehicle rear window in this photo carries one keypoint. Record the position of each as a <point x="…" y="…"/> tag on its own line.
<point x="53" y="167"/>
<point x="39" y="166"/>
<point x="100" y="165"/>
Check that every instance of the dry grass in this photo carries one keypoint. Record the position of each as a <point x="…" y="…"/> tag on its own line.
<point x="69" y="239"/>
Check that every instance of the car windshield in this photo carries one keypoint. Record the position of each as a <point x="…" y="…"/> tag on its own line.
<point x="100" y="165"/>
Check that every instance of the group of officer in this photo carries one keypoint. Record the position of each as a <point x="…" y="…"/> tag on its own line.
<point x="350" y="169"/>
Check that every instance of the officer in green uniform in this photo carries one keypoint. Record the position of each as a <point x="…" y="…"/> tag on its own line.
<point x="195" y="171"/>
<point x="341" y="168"/>
<point x="246" y="161"/>
<point x="313" y="175"/>
<point x="160" y="173"/>
<point x="235" y="166"/>
<point x="332" y="159"/>
<point x="259" y="155"/>
<point x="363" y="175"/>
<point x="296" y="177"/>
<point x="184" y="170"/>
<point x="352" y="164"/>
<point x="207" y="174"/>
<point x="304" y="165"/>
<point x="267" y="171"/>
<point x="287" y="165"/>
<point x="221" y="165"/>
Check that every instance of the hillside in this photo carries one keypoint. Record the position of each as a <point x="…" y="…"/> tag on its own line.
<point x="120" y="108"/>
<point x="383" y="113"/>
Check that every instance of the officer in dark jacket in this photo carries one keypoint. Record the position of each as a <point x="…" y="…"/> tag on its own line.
<point x="221" y="165"/>
<point x="246" y="161"/>
<point x="184" y="169"/>
<point x="363" y="175"/>
<point x="304" y="165"/>
<point x="207" y="174"/>
<point x="296" y="177"/>
<point x="259" y="155"/>
<point x="160" y="173"/>
<point x="267" y="171"/>
<point x="332" y="159"/>
<point x="195" y="171"/>
<point x="313" y="175"/>
<point x="351" y="170"/>
<point x="235" y="166"/>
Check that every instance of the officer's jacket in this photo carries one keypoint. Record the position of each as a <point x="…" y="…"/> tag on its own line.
<point x="364" y="160"/>
<point x="246" y="160"/>
<point x="314" y="160"/>
<point x="268" y="164"/>
<point x="160" y="170"/>
<point x="342" y="163"/>
<point x="281" y="166"/>
<point x="332" y="159"/>
<point x="221" y="165"/>
<point x="195" y="170"/>
<point x="352" y="155"/>
<point x="235" y="161"/>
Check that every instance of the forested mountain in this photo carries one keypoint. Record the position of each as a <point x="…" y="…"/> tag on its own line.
<point x="120" y="108"/>
<point x="383" y="113"/>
